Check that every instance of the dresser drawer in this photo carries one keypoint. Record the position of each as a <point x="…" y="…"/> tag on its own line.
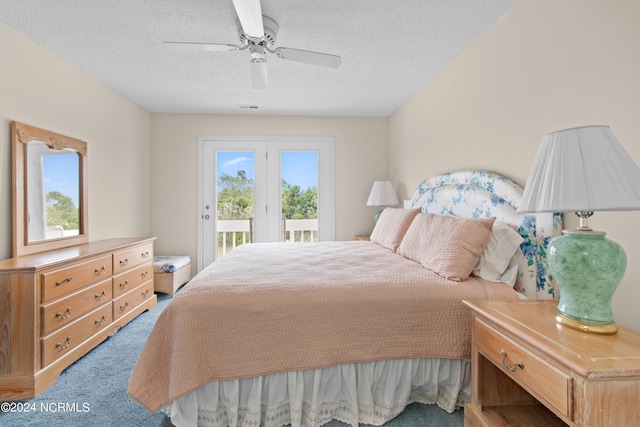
<point x="126" y="281"/>
<point x="65" y="280"/>
<point x="538" y="377"/>
<point x="128" y="258"/>
<point x="61" y="312"/>
<point x="123" y="304"/>
<point x="67" y="338"/>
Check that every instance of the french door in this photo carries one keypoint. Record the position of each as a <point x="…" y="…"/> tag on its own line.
<point x="263" y="190"/>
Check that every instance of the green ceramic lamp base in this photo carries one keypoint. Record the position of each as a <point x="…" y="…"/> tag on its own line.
<point x="588" y="268"/>
<point x="376" y="216"/>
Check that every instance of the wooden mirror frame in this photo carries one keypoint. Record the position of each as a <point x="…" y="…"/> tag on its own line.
<point x="21" y="135"/>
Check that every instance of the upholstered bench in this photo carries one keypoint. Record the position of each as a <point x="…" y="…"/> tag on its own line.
<point x="171" y="272"/>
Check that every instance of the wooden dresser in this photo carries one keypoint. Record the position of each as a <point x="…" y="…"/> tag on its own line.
<point x="56" y="306"/>
<point x="529" y="371"/>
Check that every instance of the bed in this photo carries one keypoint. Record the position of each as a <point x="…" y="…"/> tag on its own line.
<point x="300" y="334"/>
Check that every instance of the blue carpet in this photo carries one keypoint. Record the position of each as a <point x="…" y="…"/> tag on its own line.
<point x="93" y="391"/>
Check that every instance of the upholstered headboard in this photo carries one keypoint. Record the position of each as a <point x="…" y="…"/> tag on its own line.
<point x="482" y="194"/>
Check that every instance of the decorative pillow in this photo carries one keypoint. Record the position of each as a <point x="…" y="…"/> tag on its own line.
<point x="446" y="245"/>
<point x="510" y="275"/>
<point x="391" y="226"/>
<point x="501" y="248"/>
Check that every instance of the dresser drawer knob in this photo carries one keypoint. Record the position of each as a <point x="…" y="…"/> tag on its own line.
<point x="506" y="365"/>
<point x="64" y="315"/>
<point x="101" y="296"/>
<point x="124" y="262"/>
<point x="100" y="271"/>
<point x="124" y="285"/>
<point x="124" y="307"/>
<point x="145" y="254"/>
<point x="101" y="321"/>
<point x="144" y="275"/>
<point x="67" y="280"/>
<point x="145" y="293"/>
<point x="62" y="346"/>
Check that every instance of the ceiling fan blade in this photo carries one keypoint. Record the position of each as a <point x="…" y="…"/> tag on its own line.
<point x="308" y="57"/>
<point x="250" y="16"/>
<point x="200" y="47"/>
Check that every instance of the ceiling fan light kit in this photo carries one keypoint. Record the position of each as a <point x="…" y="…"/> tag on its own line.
<point x="258" y="33"/>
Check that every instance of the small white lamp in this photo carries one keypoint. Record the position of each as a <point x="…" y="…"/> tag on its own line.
<point x="382" y="194"/>
<point x="583" y="170"/>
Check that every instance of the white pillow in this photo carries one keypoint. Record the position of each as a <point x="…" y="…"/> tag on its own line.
<point x="498" y="262"/>
<point x="510" y="275"/>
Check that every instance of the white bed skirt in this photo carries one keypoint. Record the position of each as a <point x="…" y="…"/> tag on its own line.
<point x="371" y="393"/>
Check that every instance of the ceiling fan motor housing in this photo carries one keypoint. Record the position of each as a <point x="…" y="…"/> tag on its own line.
<point x="270" y="34"/>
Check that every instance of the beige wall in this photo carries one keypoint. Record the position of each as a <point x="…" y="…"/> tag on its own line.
<point x="360" y="159"/>
<point x="40" y="89"/>
<point x="545" y="66"/>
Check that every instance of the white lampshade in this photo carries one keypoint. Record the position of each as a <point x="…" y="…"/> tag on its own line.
<point x="582" y="169"/>
<point x="382" y="194"/>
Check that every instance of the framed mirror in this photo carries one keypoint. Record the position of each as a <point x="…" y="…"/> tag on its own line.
<point x="49" y="190"/>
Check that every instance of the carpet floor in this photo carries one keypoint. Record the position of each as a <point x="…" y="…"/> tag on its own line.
<point x="93" y="391"/>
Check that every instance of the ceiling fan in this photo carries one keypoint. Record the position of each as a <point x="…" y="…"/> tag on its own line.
<point x="258" y="34"/>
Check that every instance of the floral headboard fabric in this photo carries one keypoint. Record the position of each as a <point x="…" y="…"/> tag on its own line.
<point x="482" y="194"/>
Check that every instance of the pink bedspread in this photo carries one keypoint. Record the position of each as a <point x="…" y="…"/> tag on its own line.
<point x="275" y="307"/>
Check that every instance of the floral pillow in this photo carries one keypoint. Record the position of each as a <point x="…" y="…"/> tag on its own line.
<point x="446" y="245"/>
<point x="391" y="227"/>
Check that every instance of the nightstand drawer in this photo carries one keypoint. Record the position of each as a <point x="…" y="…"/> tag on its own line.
<point x="547" y="383"/>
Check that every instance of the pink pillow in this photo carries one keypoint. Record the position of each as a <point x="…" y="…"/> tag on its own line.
<point x="446" y="245"/>
<point x="391" y="226"/>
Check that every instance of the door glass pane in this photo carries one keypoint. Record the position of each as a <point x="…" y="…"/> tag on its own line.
<point x="299" y="192"/>
<point x="235" y="199"/>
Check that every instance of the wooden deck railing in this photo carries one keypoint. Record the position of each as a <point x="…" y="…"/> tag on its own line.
<point x="233" y="233"/>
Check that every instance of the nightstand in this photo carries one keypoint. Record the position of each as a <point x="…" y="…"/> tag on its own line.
<point x="529" y="371"/>
<point x="363" y="237"/>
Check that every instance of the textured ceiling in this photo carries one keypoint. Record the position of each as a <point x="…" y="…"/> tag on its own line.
<point x="389" y="49"/>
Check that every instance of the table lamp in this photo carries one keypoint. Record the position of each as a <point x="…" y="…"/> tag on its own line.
<point x="583" y="170"/>
<point x="382" y="194"/>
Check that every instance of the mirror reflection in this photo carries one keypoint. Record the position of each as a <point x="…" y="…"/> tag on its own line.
<point x="54" y="192"/>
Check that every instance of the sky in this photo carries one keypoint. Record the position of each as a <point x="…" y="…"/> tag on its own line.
<point x="298" y="167"/>
<point x="61" y="174"/>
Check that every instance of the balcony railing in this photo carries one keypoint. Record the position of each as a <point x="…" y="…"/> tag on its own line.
<point x="233" y="233"/>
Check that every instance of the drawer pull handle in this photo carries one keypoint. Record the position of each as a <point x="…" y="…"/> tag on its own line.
<point x="61" y="346"/>
<point x="67" y="280"/>
<point x="506" y="365"/>
<point x="63" y="315"/>
<point x="124" y="285"/>
<point x="101" y="271"/>
<point x="124" y="262"/>
<point x="101" y="321"/>
<point x="145" y="255"/>
<point x="124" y="307"/>
<point x="145" y="293"/>
<point x="144" y="275"/>
<point x="101" y="296"/>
